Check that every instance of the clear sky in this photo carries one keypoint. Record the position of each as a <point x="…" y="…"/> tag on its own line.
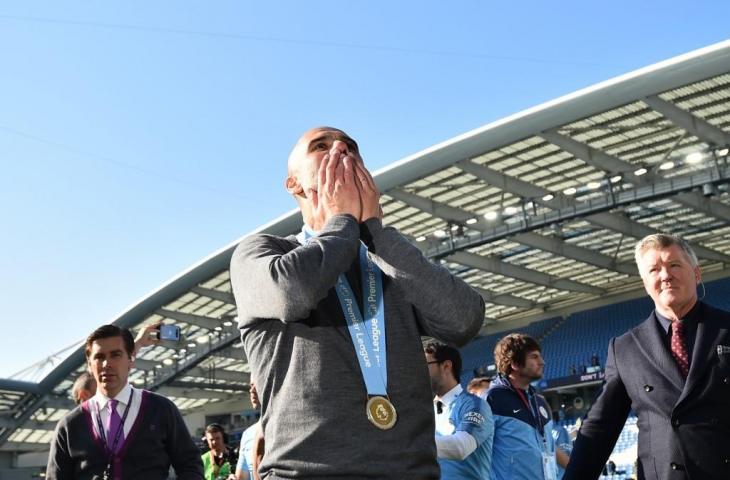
<point x="137" y="137"/>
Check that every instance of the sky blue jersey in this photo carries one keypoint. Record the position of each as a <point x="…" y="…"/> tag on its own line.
<point x="469" y="413"/>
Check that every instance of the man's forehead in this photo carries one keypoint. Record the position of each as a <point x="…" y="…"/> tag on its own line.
<point x="672" y="251"/>
<point x="107" y="344"/>
<point x="324" y="133"/>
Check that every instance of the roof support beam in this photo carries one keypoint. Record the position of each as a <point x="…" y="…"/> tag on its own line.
<point x="206" y="386"/>
<point x="514" y="185"/>
<point x="494" y="265"/>
<point x="59" y="402"/>
<point x="552" y="245"/>
<point x="597" y="158"/>
<point x="708" y="206"/>
<point x="167" y="374"/>
<point x="19" y="386"/>
<point x="559" y="247"/>
<point x="192" y="319"/>
<point x="33" y="424"/>
<point x="612" y="164"/>
<point x="225" y="297"/>
<point x="193" y="393"/>
<point x="621" y="223"/>
<point x="142" y="364"/>
<point x="505" y="299"/>
<point x="695" y="125"/>
<point x="217" y="374"/>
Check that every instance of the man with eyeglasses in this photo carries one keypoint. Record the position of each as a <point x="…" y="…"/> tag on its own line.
<point x="464" y="423"/>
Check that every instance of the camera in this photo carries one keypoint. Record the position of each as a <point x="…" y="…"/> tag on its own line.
<point x="169" y="332"/>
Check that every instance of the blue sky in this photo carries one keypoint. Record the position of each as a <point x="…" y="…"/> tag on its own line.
<point x="138" y="137"/>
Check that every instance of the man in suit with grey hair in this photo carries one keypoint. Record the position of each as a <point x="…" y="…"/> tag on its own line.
<point x="673" y="370"/>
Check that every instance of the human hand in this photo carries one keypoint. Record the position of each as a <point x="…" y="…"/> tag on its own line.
<point x="337" y="190"/>
<point x="145" y="337"/>
<point x="369" y="193"/>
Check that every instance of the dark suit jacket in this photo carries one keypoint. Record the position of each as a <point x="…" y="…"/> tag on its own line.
<point x="684" y="427"/>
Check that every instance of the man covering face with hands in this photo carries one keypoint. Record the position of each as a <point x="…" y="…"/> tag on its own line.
<point x="331" y="320"/>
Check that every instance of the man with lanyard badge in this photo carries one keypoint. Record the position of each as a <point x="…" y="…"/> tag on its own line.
<point x="331" y="321"/>
<point x="121" y="432"/>
<point x="464" y="423"/>
<point x="523" y="448"/>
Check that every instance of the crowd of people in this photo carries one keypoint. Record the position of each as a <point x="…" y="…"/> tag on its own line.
<point x="332" y="322"/>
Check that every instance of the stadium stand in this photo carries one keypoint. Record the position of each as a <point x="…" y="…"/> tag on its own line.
<point x="575" y="339"/>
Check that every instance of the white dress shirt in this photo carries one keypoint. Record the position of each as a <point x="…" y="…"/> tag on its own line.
<point x="98" y="405"/>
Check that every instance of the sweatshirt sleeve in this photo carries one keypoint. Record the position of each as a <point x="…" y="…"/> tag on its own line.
<point x="446" y="307"/>
<point x="184" y="455"/>
<point x="273" y="281"/>
<point x="60" y="465"/>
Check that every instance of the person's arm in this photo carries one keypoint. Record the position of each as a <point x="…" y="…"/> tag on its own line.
<point x="60" y="465"/>
<point x="241" y="473"/>
<point x="474" y="426"/>
<point x="242" y="465"/>
<point x="271" y="281"/>
<point x="455" y="447"/>
<point x="259" y="447"/>
<point x="602" y="425"/>
<point x="447" y="308"/>
<point x="144" y="339"/>
<point x="184" y="455"/>
<point x="561" y="457"/>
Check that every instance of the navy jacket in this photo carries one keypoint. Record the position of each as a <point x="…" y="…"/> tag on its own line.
<point x="684" y="426"/>
<point x="521" y="434"/>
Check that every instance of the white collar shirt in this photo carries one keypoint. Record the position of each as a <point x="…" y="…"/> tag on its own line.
<point x="98" y="405"/>
<point x="443" y="425"/>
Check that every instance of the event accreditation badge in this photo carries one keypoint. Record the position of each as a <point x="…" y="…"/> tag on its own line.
<point x="381" y="412"/>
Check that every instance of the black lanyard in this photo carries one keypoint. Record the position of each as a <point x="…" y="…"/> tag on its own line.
<point x="100" y="424"/>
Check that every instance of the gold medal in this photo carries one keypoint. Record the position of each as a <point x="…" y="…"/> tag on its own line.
<point x="381" y="413"/>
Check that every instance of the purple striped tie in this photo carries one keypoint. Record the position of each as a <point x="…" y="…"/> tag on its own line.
<point x="115" y="423"/>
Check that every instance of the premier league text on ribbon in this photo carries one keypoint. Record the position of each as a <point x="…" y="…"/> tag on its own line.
<point x="362" y="349"/>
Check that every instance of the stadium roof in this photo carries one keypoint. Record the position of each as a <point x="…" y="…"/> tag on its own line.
<point x="538" y="211"/>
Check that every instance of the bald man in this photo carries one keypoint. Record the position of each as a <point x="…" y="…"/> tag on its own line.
<point x="332" y="320"/>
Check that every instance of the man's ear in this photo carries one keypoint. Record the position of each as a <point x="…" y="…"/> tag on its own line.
<point x="293" y="186"/>
<point x="449" y="363"/>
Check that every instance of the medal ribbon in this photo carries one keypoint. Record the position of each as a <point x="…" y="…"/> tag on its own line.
<point x="367" y="332"/>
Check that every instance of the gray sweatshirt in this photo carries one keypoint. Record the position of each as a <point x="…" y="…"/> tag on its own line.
<point x="304" y="364"/>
